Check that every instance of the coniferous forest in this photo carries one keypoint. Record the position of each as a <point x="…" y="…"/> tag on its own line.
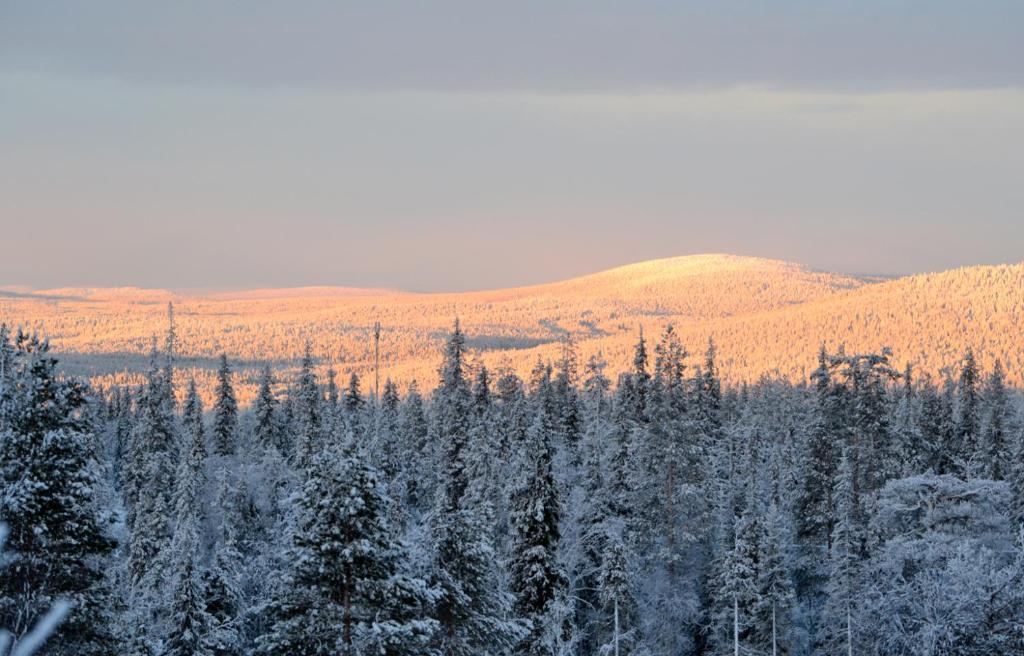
<point x="865" y="510"/>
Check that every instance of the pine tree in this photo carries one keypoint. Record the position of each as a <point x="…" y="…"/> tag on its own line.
<point x="537" y="578"/>
<point x="225" y="412"/>
<point x="47" y="485"/>
<point x="866" y="377"/>
<point x="348" y="591"/>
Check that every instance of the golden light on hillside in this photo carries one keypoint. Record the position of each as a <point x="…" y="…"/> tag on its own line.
<point x="766" y="316"/>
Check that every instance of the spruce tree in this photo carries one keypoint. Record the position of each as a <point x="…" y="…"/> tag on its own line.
<point x="47" y="487"/>
<point x="6" y="357"/>
<point x="968" y="415"/>
<point x="265" y="433"/>
<point x="566" y="397"/>
<point x="994" y="441"/>
<point x="820" y="459"/>
<point x="537" y="579"/>
<point x="387" y="449"/>
<point x="189" y="623"/>
<point x="840" y="633"/>
<point x="906" y="427"/>
<point x="736" y="586"/>
<point x="225" y="412"/>
<point x="222" y="582"/>
<point x="640" y="379"/>
<point x="355" y="407"/>
<point x="416" y="448"/>
<point x="935" y="425"/>
<point x="154" y="458"/>
<point x="170" y="352"/>
<point x="348" y="591"/>
<point x="775" y="595"/>
<point x="191" y="477"/>
<point x="618" y="630"/>
<point x="308" y="413"/>
<point x="1016" y="480"/>
<point x="473" y="610"/>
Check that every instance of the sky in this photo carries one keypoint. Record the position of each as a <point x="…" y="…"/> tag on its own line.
<point x="468" y="145"/>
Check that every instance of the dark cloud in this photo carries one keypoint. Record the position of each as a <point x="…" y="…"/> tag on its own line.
<point x="597" y="45"/>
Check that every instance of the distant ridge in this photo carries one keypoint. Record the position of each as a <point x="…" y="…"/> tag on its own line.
<point x="766" y="316"/>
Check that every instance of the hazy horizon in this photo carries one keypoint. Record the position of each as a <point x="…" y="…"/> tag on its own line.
<point x="212" y="289"/>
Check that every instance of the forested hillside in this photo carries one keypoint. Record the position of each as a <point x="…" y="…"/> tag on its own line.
<point x="767" y="316"/>
<point x="661" y="511"/>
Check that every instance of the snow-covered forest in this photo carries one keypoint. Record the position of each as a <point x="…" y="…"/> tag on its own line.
<point x="863" y="511"/>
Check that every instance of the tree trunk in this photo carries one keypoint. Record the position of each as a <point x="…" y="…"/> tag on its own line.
<point x="736" y="625"/>
<point x="616" y="626"/>
<point x="775" y="642"/>
<point x="849" y="632"/>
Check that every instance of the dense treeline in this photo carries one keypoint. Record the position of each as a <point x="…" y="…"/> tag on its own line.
<point x="865" y="511"/>
<point x="766" y="315"/>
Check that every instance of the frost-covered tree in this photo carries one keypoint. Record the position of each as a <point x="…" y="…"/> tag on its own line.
<point x="386" y="450"/>
<point x="968" y="414"/>
<point x="225" y="412"/>
<point x="153" y="458"/>
<point x="935" y="424"/>
<point x="307" y="422"/>
<point x="566" y="396"/>
<point x="47" y="483"/>
<point x="354" y="406"/>
<point x="840" y="632"/>
<point x="416" y="451"/>
<point x="537" y="579"/>
<point x="473" y="609"/>
<point x="191" y="477"/>
<point x="188" y="622"/>
<point x="265" y="432"/>
<point x="222" y="582"/>
<point x="775" y="593"/>
<point x="348" y="591"/>
<point x="618" y="633"/>
<point x="946" y="577"/>
<point x="994" y="425"/>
